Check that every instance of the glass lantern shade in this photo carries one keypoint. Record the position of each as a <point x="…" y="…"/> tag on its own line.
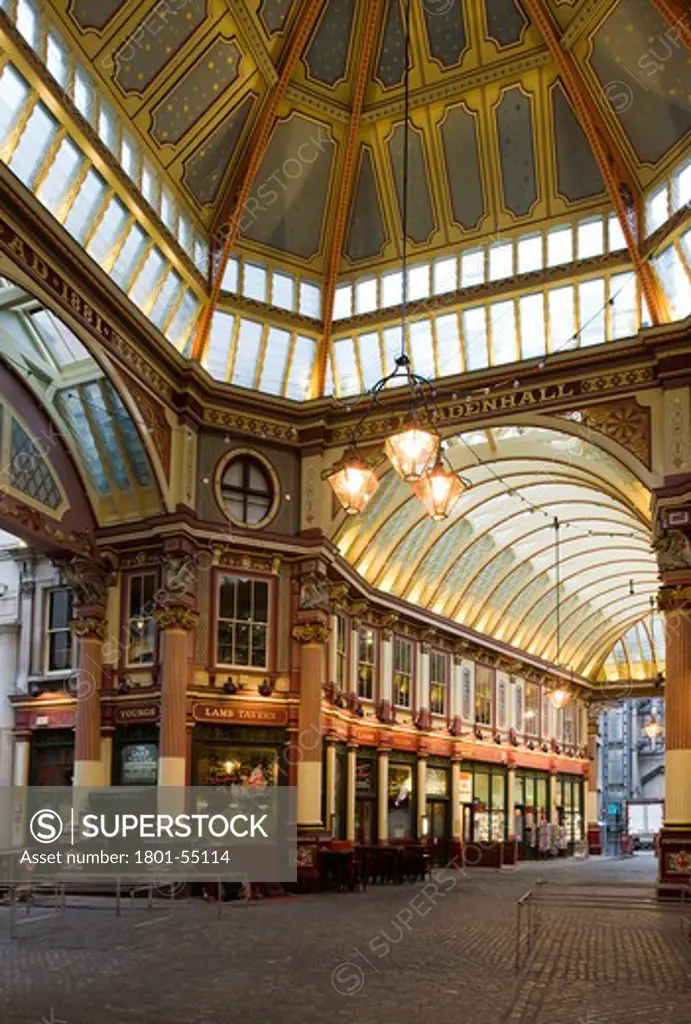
<point x="559" y="698"/>
<point x="353" y="483"/>
<point x="439" y="490"/>
<point x="652" y="728"/>
<point x="413" y="452"/>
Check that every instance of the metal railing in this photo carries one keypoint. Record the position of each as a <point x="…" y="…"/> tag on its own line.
<point x="528" y="919"/>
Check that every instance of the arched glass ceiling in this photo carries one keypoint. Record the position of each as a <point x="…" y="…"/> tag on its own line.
<point x="639" y="654"/>
<point x="94" y="422"/>
<point x="491" y="566"/>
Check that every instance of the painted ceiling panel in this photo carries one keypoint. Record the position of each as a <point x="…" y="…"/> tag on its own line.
<point x="137" y="65"/>
<point x="90" y="15"/>
<point x="446" y="32"/>
<point x="205" y="169"/>
<point x="274" y="13"/>
<point x="392" y="55"/>
<point x="421" y="223"/>
<point x="286" y="208"/>
<point x="506" y="21"/>
<point x="202" y="86"/>
<point x="327" y="57"/>
<point x="459" y="138"/>
<point x="367" y="235"/>
<point x="516" y="153"/>
<point x="578" y="174"/>
<point x="643" y="70"/>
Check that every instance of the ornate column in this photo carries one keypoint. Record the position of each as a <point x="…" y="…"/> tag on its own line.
<point x="421" y="791"/>
<point x="675" y="843"/>
<point x="330" y="782"/>
<point x="311" y="632"/>
<point x="174" y="624"/>
<point x="456" y="806"/>
<point x="383" y="795"/>
<point x="592" y="793"/>
<point x="350" y="792"/>
<point x="90" y="583"/>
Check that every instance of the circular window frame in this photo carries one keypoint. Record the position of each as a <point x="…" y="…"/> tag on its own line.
<point x="273" y="478"/>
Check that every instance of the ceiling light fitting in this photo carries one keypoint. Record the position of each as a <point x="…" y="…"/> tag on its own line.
<point x="414" y="450"/>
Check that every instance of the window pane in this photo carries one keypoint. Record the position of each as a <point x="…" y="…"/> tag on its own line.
<point x="61" y="175"/>
<point x="283" y="290"/>
<point x="682" y="187"/>
<point x="616" y="235"/>
<point x="591" y="302"/>
<point x="532" y="317"/>
<point x="299" y="384"/>
<point x="472" y="267"/>
<point x="445" y="275"/>
<point x="129" y="256"/>
<point x="57" y="59"/>
<point x="231" y="276"/>
<point x="310" y="299"/>
<point x="275" y="359"/>
<point x="60" y="609"/>
<point x="559" y="246"/>
<point x="148" y="277"/>
<point x="33" y="145"/>
<point x="27" y="22"/>
<point x="590" y="238"/>
<point x="475" y="334"/>
<point x="13" y="95"/>
<point x="84" y="94"/>
<point x="391" y="289"/>
<point x="562" y="320"/>
<point x="84" y="207"/>
<point x="109" y="230"/>
<point x="129" y="155"/>
<point x="529" y="253"/>
<point x="369" y="358"/>
<point x="675" y="281"/>
<point x="149" y="184"/>
<point x="418" y="282"/>
<point x="656" y="209"/>
<point x="448" y="345"/>
<point x="167" y="300"/>
<point x="500" y="261"/>
<point x="503" y="319"/>
<point x="255" y="282"/>
<point x="622" y="310"/>
<point x="247" y="354"/>
<point x="218" y="349"/>
<point x="343" y="302"/>
<point x="107" y="126"/>
<point x="366" y="295"/>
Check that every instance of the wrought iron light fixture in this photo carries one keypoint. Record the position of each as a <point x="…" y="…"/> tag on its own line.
<point x="414" y="450"/>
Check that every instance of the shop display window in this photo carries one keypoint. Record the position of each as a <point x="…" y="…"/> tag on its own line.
<point x="401" y="801"/>
<point x="238" y="766"/>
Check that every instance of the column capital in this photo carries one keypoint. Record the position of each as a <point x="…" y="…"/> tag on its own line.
<point x="312" y="632"/>
<point x="178" y="617"/>
<point x="90" y="626"/>
<point x="675" y="597"/>
<point x="89" y="580"/>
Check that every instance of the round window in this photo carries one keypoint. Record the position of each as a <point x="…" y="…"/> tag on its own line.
<point x="247" y="490"/>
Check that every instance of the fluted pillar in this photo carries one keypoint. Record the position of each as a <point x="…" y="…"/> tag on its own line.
<point x="174" y="626"/>
<point x="311" y="633"/>
<point x="89" y="626"/>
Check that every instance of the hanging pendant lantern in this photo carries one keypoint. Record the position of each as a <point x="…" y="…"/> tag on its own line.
<point x="652" y="728"/>
<point x="353" y="482"/>
<point x="559" y="698"/>
<point x="439" y="491"/>
<point x="413" y="451"/>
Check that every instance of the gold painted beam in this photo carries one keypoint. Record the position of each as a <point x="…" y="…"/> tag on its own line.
<point x="345" y="190"/>
<point x="679" y="18"/>
<point x="233" y="203"/>
<point x="618" y="181"/>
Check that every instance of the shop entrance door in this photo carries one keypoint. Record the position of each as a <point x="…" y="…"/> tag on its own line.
<point x="438" y="814"/>
<point x="52" y="765"/>
<point x="365" y="831"/>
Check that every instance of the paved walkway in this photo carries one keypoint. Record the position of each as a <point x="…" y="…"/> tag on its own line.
<point x="401" y="954"/>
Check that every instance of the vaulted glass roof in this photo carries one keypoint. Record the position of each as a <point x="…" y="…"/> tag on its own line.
<point x="164" y="139"/>
<point x="491" y="566"/>
<point x="90" y="415"/>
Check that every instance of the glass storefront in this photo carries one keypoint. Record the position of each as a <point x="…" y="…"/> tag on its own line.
<point x="531" y="807"/>
<point x="569" y="801"/>
<point x="401" y="801"/>
<point x="366" y="797"/>
<point x="237" y="756"/>
<point x="485" y="818"/>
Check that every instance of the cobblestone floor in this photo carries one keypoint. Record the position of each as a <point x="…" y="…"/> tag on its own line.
<point x="391" y="954"/>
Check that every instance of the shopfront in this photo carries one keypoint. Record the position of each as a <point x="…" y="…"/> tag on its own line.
<point x="226" y="752"/>
<point x="531" y="810"/>
<point x="484" y="817"/>
<point x="52" y="757"/>
<point x="402" y="797"/>
<point x="135" y="745"/>
<point x="569" y="807"/>
<point x="438" y="810"/>
<point x="366" y="796"/>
